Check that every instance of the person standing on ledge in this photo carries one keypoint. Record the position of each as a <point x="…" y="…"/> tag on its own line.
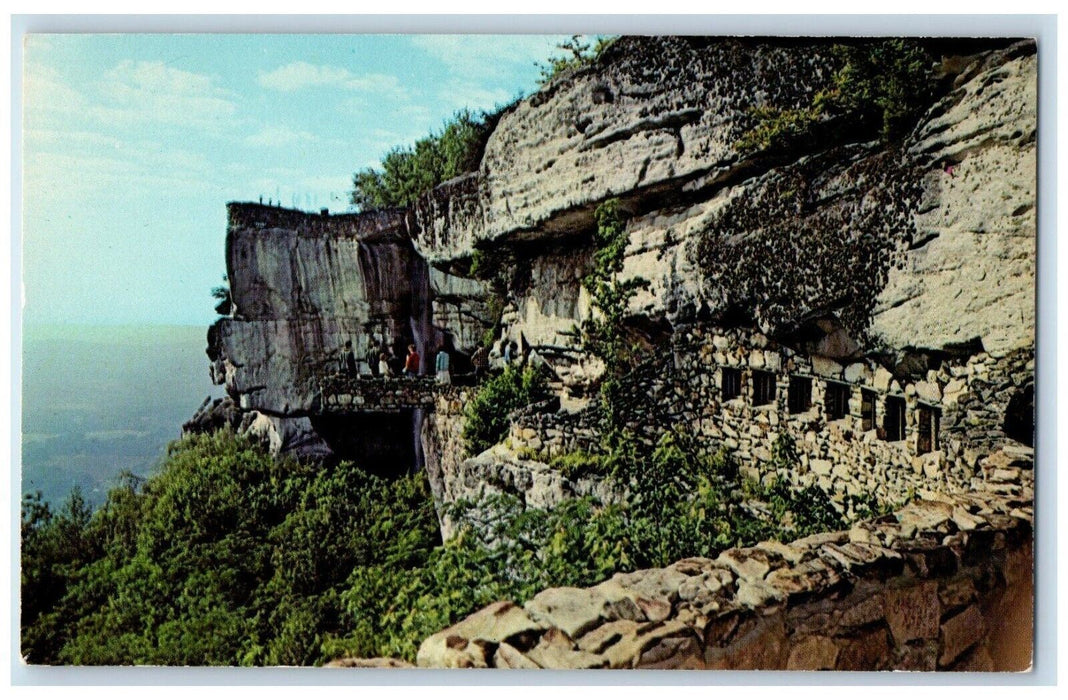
<point x="480" y="361"/>
<point x="372" y="356"/>
<point x="348" y="360"/>
<point x="441" y="366"/>
<point x="411" y="363"/>
<point x="384" y="372"/>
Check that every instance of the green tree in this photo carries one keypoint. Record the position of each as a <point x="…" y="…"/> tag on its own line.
<point x="576" y="52"/>
<point x="408" y="172"/>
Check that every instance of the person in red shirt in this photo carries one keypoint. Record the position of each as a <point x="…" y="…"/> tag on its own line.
<point x="411" y="363"/>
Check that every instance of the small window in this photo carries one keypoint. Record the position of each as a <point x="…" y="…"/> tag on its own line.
<point x="836" y="400"/>
<point x="894" y="420"/>
<point x="867" y="410"/>
<point x="731" y="383"/>
<point x="799" y="399"/>
<point x="927" y="429"/>
<point x="763" y="387"/>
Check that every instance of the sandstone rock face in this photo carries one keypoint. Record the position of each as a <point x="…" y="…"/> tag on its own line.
<point x="653" y="115"/>
<point x="850" y="262"/>
<point x="302" y="285"/>
<point x="970" y="273"/>
<point x="212" y="416"/>
<point x="877" y="237"/>
<point x="500" y="470"/>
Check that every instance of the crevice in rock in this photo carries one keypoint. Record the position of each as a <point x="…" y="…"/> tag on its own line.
<point x="671" y="121"/>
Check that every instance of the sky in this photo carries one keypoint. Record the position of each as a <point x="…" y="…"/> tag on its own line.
<point x="133" y="145"/>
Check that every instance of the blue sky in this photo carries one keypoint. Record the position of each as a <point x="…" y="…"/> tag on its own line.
<point x="133" y="144"/>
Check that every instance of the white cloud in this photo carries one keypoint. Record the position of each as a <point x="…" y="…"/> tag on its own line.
<point x="89" y="165"/>
<point x="460" y="93"/>
<point x="142" y="92"/>
<point x="294" y="76"/>
<point x="151" y="91"/>
<point x="300" y="75"/>
<point x="45" y="94"/>
<point x="277" y="136"/>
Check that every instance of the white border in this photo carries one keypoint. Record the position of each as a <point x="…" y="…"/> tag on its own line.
<point x="1043" y="28"/>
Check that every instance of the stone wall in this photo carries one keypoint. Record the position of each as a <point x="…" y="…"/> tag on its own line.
<point x="344" y="394"/>
<point x="683" y="388"/>
<point x="558" y="433"/>
<point x="441" y="439"/>
<point x="945" y="583"/>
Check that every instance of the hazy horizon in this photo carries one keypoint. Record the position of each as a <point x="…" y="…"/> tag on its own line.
<point x="98" y="400"/>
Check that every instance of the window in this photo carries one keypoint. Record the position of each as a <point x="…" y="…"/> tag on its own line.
<point x="763" y="387"/>
<point x="927" y="429"/>
<point x="836" y="400"/>
<point x="799" y="398"/>
<point x="731" y="383"/>
<point x="894" y="420"/>
<point x="867" y="410"/>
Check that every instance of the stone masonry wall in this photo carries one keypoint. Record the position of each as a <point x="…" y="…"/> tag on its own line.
<point x="685" y="389"/>
<point x="944" y="583"/>
<point x="344" y="394"/>
<point x="554" y="434"/>
<point x="441" y="439"/>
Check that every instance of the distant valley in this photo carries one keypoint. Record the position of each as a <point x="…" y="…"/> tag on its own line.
<point x="100" y="400"/>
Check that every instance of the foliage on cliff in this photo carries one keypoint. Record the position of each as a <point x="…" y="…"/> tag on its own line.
<point x="880" y="88"/>
<point x="511" y="552"/>
<point x="606" y="336"/>
<point x="486" y="417"/>
<point x="223" y="302"/>
<point x="409" y="171"/>
<point x="575" y="53"/>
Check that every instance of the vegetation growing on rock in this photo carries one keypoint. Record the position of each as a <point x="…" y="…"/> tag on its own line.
<point x="228" y="557"/>
<point x="879" y="89"/>
<point x="606" y="336"/>
<point x="576" y="53"/>
<point x="487" y="415"/>
<point x="408" y="172"/>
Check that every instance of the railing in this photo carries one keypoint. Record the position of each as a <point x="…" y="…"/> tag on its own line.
<point x="344" y="393"/>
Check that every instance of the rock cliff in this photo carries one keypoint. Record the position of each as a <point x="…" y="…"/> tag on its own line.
<point x="903" y="270"/>
<point x="872" y="301"/>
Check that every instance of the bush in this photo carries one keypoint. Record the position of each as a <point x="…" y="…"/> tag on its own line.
<point x="576" y="53"/>
<point x="607" y="336"/>
<point x="408" y="172"/>
<point x="486" y="417"/>
<point x="224" y="304"/>
<point x="577" y="464"/>
<point x="879" y="89"/>
<point x="229" y="556"/>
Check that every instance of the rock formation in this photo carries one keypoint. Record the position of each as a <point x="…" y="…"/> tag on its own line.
<point x="871" y="301"/>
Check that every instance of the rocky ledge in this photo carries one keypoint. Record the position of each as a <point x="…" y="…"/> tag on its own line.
<point x="944" y="583"/>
